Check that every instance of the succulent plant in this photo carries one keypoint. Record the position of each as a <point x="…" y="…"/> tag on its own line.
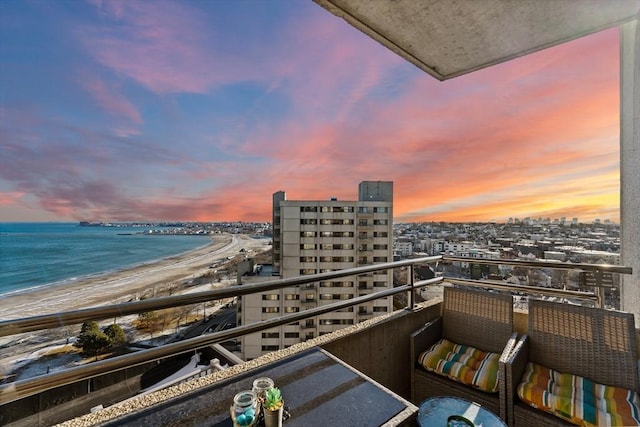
<point x="273" y="399"/>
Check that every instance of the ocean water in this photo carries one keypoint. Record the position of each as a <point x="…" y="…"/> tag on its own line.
<point x="44" y="254"/>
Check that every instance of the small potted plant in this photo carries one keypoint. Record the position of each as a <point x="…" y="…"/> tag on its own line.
<point x="273" y="407"/>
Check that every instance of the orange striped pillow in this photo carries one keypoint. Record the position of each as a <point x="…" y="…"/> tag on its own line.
<point x="578" y="400"/>
<point x="463" y="363"/>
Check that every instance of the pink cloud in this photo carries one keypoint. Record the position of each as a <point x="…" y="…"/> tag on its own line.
<point x="166" y="47"/>
<point x="545" y="127"/>
<point x="112" y="101"/>
<point x="10" y="197"/>
<point x="499" y="142"/>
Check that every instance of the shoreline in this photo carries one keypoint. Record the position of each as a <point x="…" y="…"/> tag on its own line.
<point x="110" y="288"/>
<point x="100" y="274"/>
<point x="102" y="288"/>
<point x="111" y="284"/>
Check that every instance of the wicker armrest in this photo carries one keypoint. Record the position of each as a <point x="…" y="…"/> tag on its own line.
<point x="509" y="348"/>
<point x="502" y="372"/>
<point x="424" y="338"/>
<point x="419" y="341"/>
<point x="515" y="365"/>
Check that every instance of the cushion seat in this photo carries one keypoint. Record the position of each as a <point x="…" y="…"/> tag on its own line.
<point x="578" y="400"/>
<point x="462" y="363"/>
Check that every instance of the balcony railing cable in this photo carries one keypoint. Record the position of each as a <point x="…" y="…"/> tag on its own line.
<point x="31" y="386"/>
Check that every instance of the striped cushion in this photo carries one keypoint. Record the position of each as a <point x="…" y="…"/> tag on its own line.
<point x="462" y="363"/>
<point x="578" y="400"/>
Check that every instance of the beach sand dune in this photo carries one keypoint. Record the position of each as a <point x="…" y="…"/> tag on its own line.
<point x="112" y="288"/>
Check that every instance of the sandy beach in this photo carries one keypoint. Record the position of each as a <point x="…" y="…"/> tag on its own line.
<point x="109" y="288"/>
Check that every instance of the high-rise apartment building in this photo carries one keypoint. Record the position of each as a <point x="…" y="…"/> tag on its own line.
<point x="319" y="236"/>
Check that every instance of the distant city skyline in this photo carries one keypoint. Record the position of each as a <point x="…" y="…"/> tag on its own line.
<point x="199" y="111"/>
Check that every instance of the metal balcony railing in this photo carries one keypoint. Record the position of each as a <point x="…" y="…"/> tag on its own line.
<point x="31" y="386"/>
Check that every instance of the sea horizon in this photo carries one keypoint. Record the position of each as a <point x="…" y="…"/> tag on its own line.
<point x="35" y="255"/>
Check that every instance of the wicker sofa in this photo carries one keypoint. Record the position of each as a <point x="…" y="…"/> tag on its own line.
<point x="596" y="344"/>
<point x="476" y="318"/>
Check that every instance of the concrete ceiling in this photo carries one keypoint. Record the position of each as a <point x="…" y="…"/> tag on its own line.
<point x="448" y="38"/>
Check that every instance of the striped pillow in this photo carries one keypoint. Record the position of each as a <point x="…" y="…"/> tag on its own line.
<point x="578" y="400"/>
<point x="462" y="363"/>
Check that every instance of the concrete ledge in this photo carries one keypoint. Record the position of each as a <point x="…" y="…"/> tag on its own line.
<point x="336" y="340"/>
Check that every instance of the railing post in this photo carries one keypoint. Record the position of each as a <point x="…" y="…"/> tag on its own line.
<point x="600" y="291"/>
<point x="413" y="289"/>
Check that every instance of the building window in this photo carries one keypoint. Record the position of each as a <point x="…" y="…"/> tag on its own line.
<point x="308" y="209"/>
<point x="335" y="296"/>
<point x="337" y="284"/>
<point x="336" y="246"/>
<point x="270" y="297"/>
<point x="306" y="271"/>
<point x="380" y="247"/>
<point x="309" y="221"/>
<point x="336" y="322"/>
<point x="362" y="260"/>
<point x="307" y="259"/>
<point x="362" y="222"/>
<point x="379" y="309"/>
<point x="379" y="259"/>
<point x="291" y="297"/>
<point x="379" y="284"/>
<point x="336" y="259"/>
<point x="271" y="309"/>
<point x="291" y="335"/>
<point x="310" y="297"/>
<point x="337" y="234"/>
<point x="362" y="235"/>
<point x="363" y="209"/>
<point x="270" y="335"/>
<point x="308" y="246"/>
<point x="380" y="210"/>
<point x="379" y="222"/>
<point x="291" y="309"/>
<point x="308" y="234"/>
<point x="380" y="234"/>
<point x="270" y="347"/>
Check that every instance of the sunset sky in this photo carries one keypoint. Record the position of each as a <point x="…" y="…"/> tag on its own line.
<point x="200" y="110"/>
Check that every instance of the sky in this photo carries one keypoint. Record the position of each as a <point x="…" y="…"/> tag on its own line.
<point x="201" y="110"/>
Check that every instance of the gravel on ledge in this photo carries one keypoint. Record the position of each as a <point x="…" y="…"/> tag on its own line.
<point x="138" y="403"/>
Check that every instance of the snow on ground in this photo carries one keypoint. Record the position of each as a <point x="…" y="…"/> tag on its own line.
<point x="22" y="350"/>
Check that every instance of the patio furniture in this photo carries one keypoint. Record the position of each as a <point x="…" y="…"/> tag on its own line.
<point x="475" y="318"/>
<point x="318" y="390"/>
<point x="590" y="343"/>
<point x="436" y="411"/>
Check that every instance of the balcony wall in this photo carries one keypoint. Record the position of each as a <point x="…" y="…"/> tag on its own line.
<point x="379" y="348"/>
<point x="382" y="350"/>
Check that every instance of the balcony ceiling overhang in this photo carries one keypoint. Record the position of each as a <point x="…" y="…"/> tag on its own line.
<point x="449" y="38"/>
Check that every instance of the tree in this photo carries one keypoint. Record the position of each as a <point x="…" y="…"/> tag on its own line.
<point x="148" y="321"/>
<point x="92" y="340"/>
<point x="115" y="334"/>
